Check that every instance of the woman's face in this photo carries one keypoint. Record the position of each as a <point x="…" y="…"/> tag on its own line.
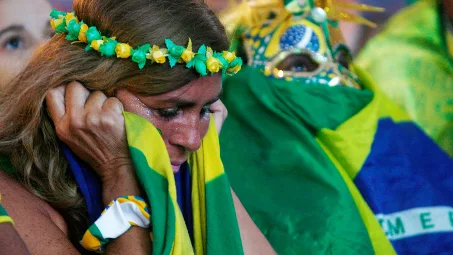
<point x="24" y="25"/>
<point x="182" y="115"/>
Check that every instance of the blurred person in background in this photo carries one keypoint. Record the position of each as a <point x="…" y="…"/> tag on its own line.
<point x="24" y="25"/>
<point x="412" y="61"/>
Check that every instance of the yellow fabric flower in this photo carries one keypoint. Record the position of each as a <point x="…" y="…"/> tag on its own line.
<point x="229" y="56"/>
<point x="187" y="56"/>
<point x="54" y="23"/>
<point x="70" y="16"/>
<point x="96" y="44"/>
<point x="123" y="50"/>
<point x="83" y="33"/>
<point x="235" y="69"/>
<point x="157" y="55"/>
<point x="213" y="65"/>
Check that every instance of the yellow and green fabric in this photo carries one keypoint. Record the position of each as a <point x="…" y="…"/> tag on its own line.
<point x="411" y="61"/>
<point x="334" y="170"/>
<point x="215" y="227"/>
<point x="4" y="217"/>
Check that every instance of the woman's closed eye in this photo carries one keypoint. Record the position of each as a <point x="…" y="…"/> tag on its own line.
<point x="169" y="113"/>
<point x="206" y="111"/>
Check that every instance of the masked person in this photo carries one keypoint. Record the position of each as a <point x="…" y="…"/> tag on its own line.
<point x="110" y="135"/>
<point x="322" y="160"/>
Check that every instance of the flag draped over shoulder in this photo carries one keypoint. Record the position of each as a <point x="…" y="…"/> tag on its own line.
<point x="216" y="229"/>
<point x="334" y="170"/>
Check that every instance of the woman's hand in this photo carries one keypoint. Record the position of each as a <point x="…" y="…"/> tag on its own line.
<point x="92" y="125"/>
<point x="220" y="113"/>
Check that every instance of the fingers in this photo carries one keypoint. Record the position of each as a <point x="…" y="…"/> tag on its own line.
<point x="113" y="104"/>
<point x="220" y="113"/>
<point x="56" y="103"/>
<point x="76" y="96"/>
<point x="95" y="101"/>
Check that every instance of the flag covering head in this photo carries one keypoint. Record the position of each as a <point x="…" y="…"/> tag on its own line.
<point x="216" y="229"/>
<point x="334" y="170"/>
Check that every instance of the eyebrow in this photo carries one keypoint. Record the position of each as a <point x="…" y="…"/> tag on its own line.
<point x="185" y="103"/>
<point x="16" y="28"/>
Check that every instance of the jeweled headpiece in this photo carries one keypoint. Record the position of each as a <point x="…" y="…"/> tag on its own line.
<point x="204" y="61"/>
<point x="296" y="39"/>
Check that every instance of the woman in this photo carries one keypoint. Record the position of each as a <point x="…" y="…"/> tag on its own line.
<point x="24" y="25"/>
<point x="175" y="100"/>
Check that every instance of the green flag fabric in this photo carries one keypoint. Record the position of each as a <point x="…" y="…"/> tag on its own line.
<point x="334" y="170"/>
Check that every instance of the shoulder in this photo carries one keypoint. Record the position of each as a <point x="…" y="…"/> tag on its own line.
<point x="38" y="224"/>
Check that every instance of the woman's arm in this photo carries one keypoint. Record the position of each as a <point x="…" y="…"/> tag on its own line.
<point x="253" y="241"/>
<point x="10" y="241"/>
<point x="41" y="229"/>
<point x="92" y="125"/>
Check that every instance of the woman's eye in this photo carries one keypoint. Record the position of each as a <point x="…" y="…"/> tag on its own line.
<point x="169" y="113"/>
<point x="14" y="43"/>
<point x="206" y="110"/>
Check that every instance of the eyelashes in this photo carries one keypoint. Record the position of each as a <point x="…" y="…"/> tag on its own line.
<point x="171" y="113"/>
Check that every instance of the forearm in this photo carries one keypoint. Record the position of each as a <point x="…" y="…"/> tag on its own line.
<point x="10" y="241"/>
<point x="136" y="240"/>
<point x="253" y="241"/>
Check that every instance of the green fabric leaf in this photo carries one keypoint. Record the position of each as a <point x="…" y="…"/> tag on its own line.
<point x="108" y="48"/>
<point x="56" y="13"/>
<point x="93" y="34"/>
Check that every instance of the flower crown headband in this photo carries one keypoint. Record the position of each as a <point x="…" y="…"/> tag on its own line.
<point x="203" y="61"/>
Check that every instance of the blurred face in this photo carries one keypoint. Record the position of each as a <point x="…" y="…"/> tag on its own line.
<point x="24" y="25"/>
<point x="182" y="115"/>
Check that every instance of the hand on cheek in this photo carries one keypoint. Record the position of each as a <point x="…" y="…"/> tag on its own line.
<point x="92" y="125"/>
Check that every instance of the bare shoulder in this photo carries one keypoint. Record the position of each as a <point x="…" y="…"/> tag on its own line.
<point x="42" y="228"/>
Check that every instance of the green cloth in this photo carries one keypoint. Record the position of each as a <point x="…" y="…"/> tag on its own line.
<point x="411" y="63"/>
<point x="287" y="183"/>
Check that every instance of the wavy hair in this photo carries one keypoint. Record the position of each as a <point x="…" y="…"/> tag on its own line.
<point x="27" y="134"/>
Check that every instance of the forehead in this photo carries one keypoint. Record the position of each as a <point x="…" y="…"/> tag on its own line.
<point x="33" y="15"/>
<point x="199" y="91"/>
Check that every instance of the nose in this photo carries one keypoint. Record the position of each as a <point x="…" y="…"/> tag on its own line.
<point x="188" y="135"/>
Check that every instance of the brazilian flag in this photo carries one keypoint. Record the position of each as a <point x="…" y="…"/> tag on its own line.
<point x="335" y="170"/>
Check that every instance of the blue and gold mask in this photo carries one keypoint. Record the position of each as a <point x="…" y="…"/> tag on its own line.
<point x="299" y="41"/>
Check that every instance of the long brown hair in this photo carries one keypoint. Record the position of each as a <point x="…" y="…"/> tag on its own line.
<point x="27" y="135"/>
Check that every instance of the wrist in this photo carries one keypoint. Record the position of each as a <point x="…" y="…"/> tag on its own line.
<point x="122" y="183"/>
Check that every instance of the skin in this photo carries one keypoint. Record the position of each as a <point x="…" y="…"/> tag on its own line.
<point x="88" y="123"/>
<point x="24" y="25"/>
<point x="448" y="8"/>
